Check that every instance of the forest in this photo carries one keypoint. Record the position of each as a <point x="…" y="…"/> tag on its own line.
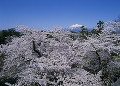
<point x="61" y="58"/>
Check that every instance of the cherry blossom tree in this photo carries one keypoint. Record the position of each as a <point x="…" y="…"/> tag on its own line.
<point x="53" y="58"/>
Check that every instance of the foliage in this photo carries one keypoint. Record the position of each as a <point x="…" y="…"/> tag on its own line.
<point x="2" y="56"/>
<point x="49" y="36"/>
<point x="6" y="35"/>
<point x="100" y="25"/>
<point x="84" y="32"/>
<point x="62" y="58"/>
<point x="73" y="32"/>
<point x="118" y="19"/>
<point x="112" y="27"/>
<point x="8" y="80"/>
<point x="98" y="30"/>
<point x="72" y="36"/>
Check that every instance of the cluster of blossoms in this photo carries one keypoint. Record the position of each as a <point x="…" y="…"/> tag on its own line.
<point x="53" y="58"/>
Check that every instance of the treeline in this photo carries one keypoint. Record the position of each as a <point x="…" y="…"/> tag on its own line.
<point x="86" y="32"/>
<point x="5" y="35"/>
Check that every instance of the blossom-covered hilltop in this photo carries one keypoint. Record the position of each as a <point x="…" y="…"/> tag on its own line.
<point x="62" y="58"/>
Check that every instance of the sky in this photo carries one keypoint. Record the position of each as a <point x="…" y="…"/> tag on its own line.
<point x="41" y="14"/>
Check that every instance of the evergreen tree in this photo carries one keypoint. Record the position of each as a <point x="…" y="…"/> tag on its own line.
<point x="84" y="32"/>
<point x="100" y="26"/>
<point x="5" y="34"/>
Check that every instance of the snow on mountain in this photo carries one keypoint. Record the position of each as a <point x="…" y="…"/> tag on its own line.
<point x="75" y="26"/>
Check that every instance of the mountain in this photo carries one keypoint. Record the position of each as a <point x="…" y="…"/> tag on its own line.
<point x="75" y="28"/>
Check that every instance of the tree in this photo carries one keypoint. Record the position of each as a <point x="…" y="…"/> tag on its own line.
<point x="1" y="37"/>
<point x="84" y="32"/>
<point x="100" y="26"/>
<point x="118" y="19"/>
<point x="65" y="62"/>
<point x="6" y="34"/>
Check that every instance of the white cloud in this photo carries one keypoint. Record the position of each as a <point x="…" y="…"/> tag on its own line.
<point x="76" y="25"/>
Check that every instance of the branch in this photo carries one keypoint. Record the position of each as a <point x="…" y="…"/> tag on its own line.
<point x="34" y="48"/>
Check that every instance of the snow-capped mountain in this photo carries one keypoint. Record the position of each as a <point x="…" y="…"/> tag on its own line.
<point x="75" y="28"/>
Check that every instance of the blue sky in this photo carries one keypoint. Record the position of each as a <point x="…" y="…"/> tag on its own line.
<point x="51" y="13"/>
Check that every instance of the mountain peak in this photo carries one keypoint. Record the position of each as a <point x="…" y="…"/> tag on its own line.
<point x="75" y="26"/>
